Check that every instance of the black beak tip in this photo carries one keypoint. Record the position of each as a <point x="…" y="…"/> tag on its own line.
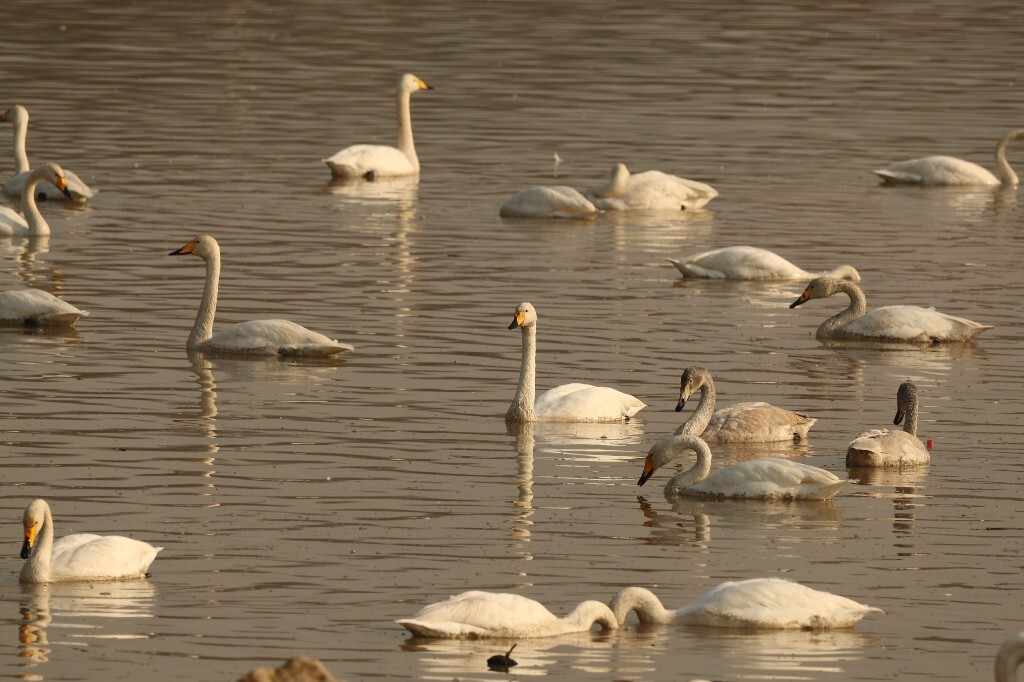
<point x="679" y="407"/>
<point x="794" y="304"/>
<point x="67" y="193"/>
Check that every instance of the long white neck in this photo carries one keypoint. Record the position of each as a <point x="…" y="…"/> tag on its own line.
<point x="37" y="568"/>
<point x="858" y="306"/>
<point x="20" y="155"/>
<point x="202" y="330"/>
<point x="701" y="417"/>
<point x="521" y="408"/>
<point x="1009" y="658"/>
<point x="615" y="186"/>
<point x="910" y="418"/>
<point x="647" y="606"/>
<point x="405" y="143"/>
<point x="589" y="612"/>
<point x="37" y="225"/>
<point x="1006" y="174"/>
<point x="695" y="474"/>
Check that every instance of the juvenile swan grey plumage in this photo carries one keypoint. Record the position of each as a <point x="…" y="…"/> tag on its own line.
<point x="885" y="448"/>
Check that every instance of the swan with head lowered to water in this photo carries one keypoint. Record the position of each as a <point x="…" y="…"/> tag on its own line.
<point x="951" y="171"/>
<point x="76" y="189"/>
<point x="750" y="263"/>
<point x="885" y="448"/>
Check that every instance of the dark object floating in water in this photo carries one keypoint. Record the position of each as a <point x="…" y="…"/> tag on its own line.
<point x="501" y="663"/>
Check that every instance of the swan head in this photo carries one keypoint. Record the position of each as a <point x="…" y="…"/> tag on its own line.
<point x="32" y="521"/>
<point x="410" y="83"/>
<point x="203" y="246"/>
<point x="53" y="174"/>
<point x="525" y="316"/>
<point x="17" y="114"/>
<point x="664" y="451"/>
<point x="820" y="287"/>
<point x="906" y="395"/>
<point x="692" y="379"/>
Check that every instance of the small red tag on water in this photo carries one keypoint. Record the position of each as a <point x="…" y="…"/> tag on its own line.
<point x="930" y="444"/>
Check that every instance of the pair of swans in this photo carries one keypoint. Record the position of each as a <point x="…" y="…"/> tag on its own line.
<point x="30" y="221"/>
<point x="375" y="161"/>
<point x="76" y="189"/>
<point x="896" y="323"/>
<point x="78" y="557"/>
<point x="750" y="263"/>
<point x="760" y="603"/>
<point x="566" y="403"/>
<point x="951" y="171"/>
<point x="885" y="448"/>
<point x="257" y="337"/>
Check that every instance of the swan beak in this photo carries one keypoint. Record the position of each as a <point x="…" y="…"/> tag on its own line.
<point x="683" y="395"/>
<point x="517" y="319"/>
<point x="804" y="297"/>
<point x="424" y="86"/>
<point x="30" y="541"/>
<point x="185" y="250"/>
<point x="62" y="185"/>
<point x="3" y="116"/>
<point x="648" y="471"/>
<point x="900" y="414"/>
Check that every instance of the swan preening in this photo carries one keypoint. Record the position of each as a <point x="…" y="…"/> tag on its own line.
<point x="37" y="308"/>
<point x="951" y="171"/>
<point x="373" y="161"/>
<point x="885" y="448"/>
<point x="559" y="201"/>
<point x="484" y="615"/>
<point x="759" y="603"/>
<point x="750" y="263"/>
<point x="739" y="423"/>
<point x="650" y="190"/>
<point x="896" y="323"/>
<point x="78" y="557"/>
<point x="32" y="222"/>
<point x="257" y="337"/>
<point x="768" y="478"/>
<point x="76" y="189"/>
<point x="566" y="403"/>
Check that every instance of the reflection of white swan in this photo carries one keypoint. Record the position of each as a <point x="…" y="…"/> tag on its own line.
<point x="949" y="170"/>
<point x="1009" y="658"/>
<point x="759" y="603"/>
<point x="76" y="189"/>
<point x="559" y="201"/>
<point x="768" y="478"/>
<point x="78" y="557"/>
<point x="904" y="323"/>
<point x="478" y="615"/>
<point x="32" y="222"/>
<point x="371" y="161"/>
<point x="885" y="448"/>
<point x="566" y="403"/>
<point x="36" y="308"/>
<point x="257" y="337"/>
<point x="649" y="190"/>
<point x="739" y="423"/>
<point x="749" y="263"/>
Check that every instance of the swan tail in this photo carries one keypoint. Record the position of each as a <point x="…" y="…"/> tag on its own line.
<point x="315" y="350"/>
<point x="421" y="628"/>
<point x="342" y="170"/>
<point x="57" y="319"/>
<point x="893" y="177"/>
<point x="827" y="492"/>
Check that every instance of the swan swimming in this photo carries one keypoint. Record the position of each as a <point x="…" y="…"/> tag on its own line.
<point x="951" y="171"/>
<point x="885" y="448"/>
<point x="558" y="201"/>
<point x="750" y="263"/>
<point x="32" y="222"/>
<point x="37" y="308"/>
<point x="76" y="189"/>
<point x="650" y="190"/>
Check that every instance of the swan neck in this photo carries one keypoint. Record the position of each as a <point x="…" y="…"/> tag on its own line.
<point x="696" y="473"/>
<point x="701" y="417"/>
<point x="37" y="568"/>
<point x="910" y="419"/>
<point x="645" y="604"/>
<point x="20" y="155"/>
<point x="37" y="225"/>
<point x="1006" y="174"/>
<point x="405" y="143"/>
<point x="587" y="613"/>
<point x="858" y="306"/>
<point x="614" y="187"/>
<point x="521" y="408"/>
<point x="202" y="330"/>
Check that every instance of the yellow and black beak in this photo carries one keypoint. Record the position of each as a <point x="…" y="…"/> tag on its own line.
<point x="900" y="414"/>
<point x="683" y="395"/>
<point x="185" y="250"/>
<point x="62" y="185"/>
<point x="648" y="471"/>
<point x="518" y="319"/>
<point x="804" y="297"/>
<point x="30" y="541"/>
<point x="424" y="86"/>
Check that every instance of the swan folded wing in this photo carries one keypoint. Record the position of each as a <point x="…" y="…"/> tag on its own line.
<point x="771" y="478"/>
<point x="476" y="614"/>
<point x="739" y="262"/>
<point x="86" y="556"/>
<point x="755" y="422"/>
<point x="273" y="337"/>
<point x="654" y="190"/>
<point x="361" y="159"/>
<point x="913" y="323"/>
<point x="585" y="403"/>
<point x="559" y="201"/>
<point x="37" y="306"/>
<point x="882" y="447"/>
<point x="937" y="170"/>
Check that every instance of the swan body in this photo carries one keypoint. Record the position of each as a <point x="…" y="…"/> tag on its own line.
<point x="752" y="422"/>
<point x="1009" y="658"/>
<point x="258" y="337"/>
<point x="759" y="603"/>
<point x="951" y="171"/>
<point x="768" y="478"/>
<point x="76" y="189"/>
<point x="372" y="161"/>
<point x="650" y="190"/>
<point x="37" y="308"/>
<point x="559" y="201"/>
<point x="896" y="323"/>
<point x="78" y="557"/>
<point x="485" y="615"/>
<point x="750" y="263"/>
<point x="32" y="222"/>
<point x="885" y="448"/>
<point x="566" y="403"/>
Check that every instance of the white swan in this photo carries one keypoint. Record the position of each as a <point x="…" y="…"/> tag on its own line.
<point x="76" y="190"/>
<point x="566" y="403"/>
<point x="949" y="170"/>
<point x="650" y="190"/>
<point x="897" y="323"/>
<point x="78" y="557"/>
<point x="483" y="615"/>
<point x="559" y="201"/>
<point x="768" y="478"/>
<point x="257" y="337"/>
<point x="372" y="161"/>
<point x="758" y="603"/>
<point x="32" y="222"/>
<point x="1009" y="658"/>
<point x="885" y="448"/>
<point x="739" y="423"/>
<point x="750" y="263"/>
<point x="37" y="308"/>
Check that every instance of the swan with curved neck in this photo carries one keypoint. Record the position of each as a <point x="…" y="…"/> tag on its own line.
<point x="75" y="189"/>
<point x="885" y="448"/>
<point x="896" y="323"/>
<point x="739" y="423"/>
<point x="768" y="478"/>
<point x="750" y="263"/>
<point x="488" y="615"/>
<point x="566" y="403"/>
<point x="78" y="557"/>
<point x="951" y="171"/>
<point x="257" y="337"/>
<point x="758" y="603"/>
<point x="557" y="201"/>
<point x="32" y="223"/>
<point x="373" y="161"/>
<point x="650" y="190"/>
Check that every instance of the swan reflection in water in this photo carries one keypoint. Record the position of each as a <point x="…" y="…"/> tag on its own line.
<point x="520" y="521"/>
<point x="903" y="486"/>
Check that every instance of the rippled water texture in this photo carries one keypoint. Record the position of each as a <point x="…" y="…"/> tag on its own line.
<point x="305" y="506"/>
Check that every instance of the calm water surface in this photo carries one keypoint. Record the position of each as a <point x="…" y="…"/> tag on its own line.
<point x="304" y="507"/>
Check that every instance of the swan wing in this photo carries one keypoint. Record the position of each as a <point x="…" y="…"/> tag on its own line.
<point x="913" y="323"/>
<point x="937" y="170"/>
<point x="370" y="161"/>
<point x="478" y="614"/>
<point x="585" y="403"/>
<point x="771" y="478"/>
<point x="559" y="201"/>
<point x="654" y="190"/>
<point x="87" y="557"/>
<point x="739" y="262"/>
<point x="35" y="306"/>
<point x="885" y="448"/>
<point x="12" y="222"/>
<point x="756" y="422"/>
<point x="273" y="337"/>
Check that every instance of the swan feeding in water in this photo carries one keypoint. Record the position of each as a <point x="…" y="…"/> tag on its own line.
<point x="558" y="201"/>
<point x="750" y="263"/>
<point x="885" y="448"/>
<point x="951" y="171"/>
<point x="76" y="189"/>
